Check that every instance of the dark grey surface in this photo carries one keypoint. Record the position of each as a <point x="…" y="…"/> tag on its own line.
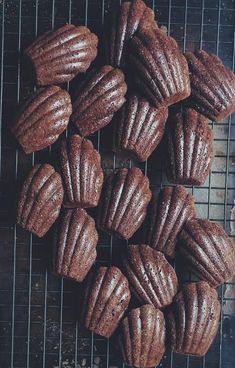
<point x="37" y="310"/>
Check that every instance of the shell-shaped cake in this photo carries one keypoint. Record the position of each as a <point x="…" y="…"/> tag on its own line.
<point x="142" y="337"/>
<point x="42" y="118"/>
<point x="190" y="148"/>
<point x="212" y="85"/>
<point x="208" y="250"/>
<point x="125" y="21"/>
<point x="124" y="200"/>
<point x="75" y="244"/>
<point x="99" y="97"/>
<point x="166" y="216"/>
<point x="40" y="199"/>
<point x="139" y="127"/>
<point x="151" y="278"/>
<point x="159" y="69"/>
<point x="193" y="319"/>
<point x="81" y="172"/>
<point x="59" y="55"/>
<point x="107" y="296"/>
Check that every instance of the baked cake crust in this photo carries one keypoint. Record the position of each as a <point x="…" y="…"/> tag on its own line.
<point x="40" y="199"/>
<point x="75" y="243"/>
<point x="59" y="55"/>
<point x="81" y="172"/>
<point x="99" y="97"/>
<point x="124" y="200"/>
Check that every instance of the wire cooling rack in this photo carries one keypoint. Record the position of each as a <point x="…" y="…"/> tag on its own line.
<point x="38" y="311"/>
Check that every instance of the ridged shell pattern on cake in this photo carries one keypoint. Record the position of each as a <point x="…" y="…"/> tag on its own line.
<point x="82" y="175"/>
<point x="139" y="127"/>
<point x="152" y="279"/>
<point x="208" y="250"/>
<point x="75" y="244"/>
<point x="213" y="85"/>
<point x="40" y="199"/>
<point x="59" y="55"/>
<point x="142" y="337"/>
<point x="42" y="118"/>
<point x="159" y="69"/>
<point x="106" y="298"/>
<point x="124" y="200"/>
<point x="190" y="148"/>
<point x="99" y="97"/>
<point x="125" y="21"/>
<point x="166" y="216"/>
<point x="193" y="319"/>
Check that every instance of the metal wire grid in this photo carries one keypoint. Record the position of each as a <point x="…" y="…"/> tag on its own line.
<point x="37" y="327"/>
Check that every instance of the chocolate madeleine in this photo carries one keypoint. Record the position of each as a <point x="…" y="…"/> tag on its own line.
<point x="81" y="172"/>
<point x="193" y="319"/>
<point x="142" y="337"/>
<point x="159" y="69"/>
<point x="106" y="298"/>
<point x="125" y="21"/>
<point x="212" y="85"/>
<point x="59" y="55"/>
<point x="40" y="199"/>
<point x="74" y="244"/>
<point x="166" y="216"/>
<point x="152" y="279"/>
<point x="139" y="127"/>
<point x="42" y="118"/>
<point x="124" y="200"/>
<point x="190" y="148"/>
<point x="99" y="97"/>
<point x="208" y="250"/>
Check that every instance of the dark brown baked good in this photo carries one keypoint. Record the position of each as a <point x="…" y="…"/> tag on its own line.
<point x="81" y="172"/>
<point x="106" y="298"/>
<point x="142" y="337"/>
<point x="40" y="199"/>
<point x="59" y="55"/>
<point x="166" y="216"/>
<point x="212" y="85"/>
<point x="190" y="148"/>
<point x="99" y="97"/>
<point x="139" y="127"/>
<point x="125" y="21"/>
<point x="159" y="68"/>
<point x="42" y="118"/>
<point x="208" y="250"/>
<point x="151" y="278"/>
<point x="74" y="244"/>
<point x="124" y="200"/>
<point x="193" y="319"/>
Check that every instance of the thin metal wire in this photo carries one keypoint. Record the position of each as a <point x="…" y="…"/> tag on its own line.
<point x="1" y="80"/>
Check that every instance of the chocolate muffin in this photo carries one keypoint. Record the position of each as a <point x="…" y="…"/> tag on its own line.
<point x="124" y="200"/>
<point x="74" y="244"/>
<point x="81" y="172"/>
<point x="166" y="216"/>
<point x="190" y="148"/>
<point x="142" y="337"/>
<point x="106" y="298"/>
<point x="125" y="21"/>
<point x="40" y="199"/>
<point x="152" y="279"/>
<point x="193" y="319"/>
<point x="99" y="97"/>
<point x="159" y="69"/>
<point x="139" y="127"/>
<point x="59" y="55"/>
<point x="212" y="84"/>
<point x="208" y="250"/>
<point x="42" y="118"/>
